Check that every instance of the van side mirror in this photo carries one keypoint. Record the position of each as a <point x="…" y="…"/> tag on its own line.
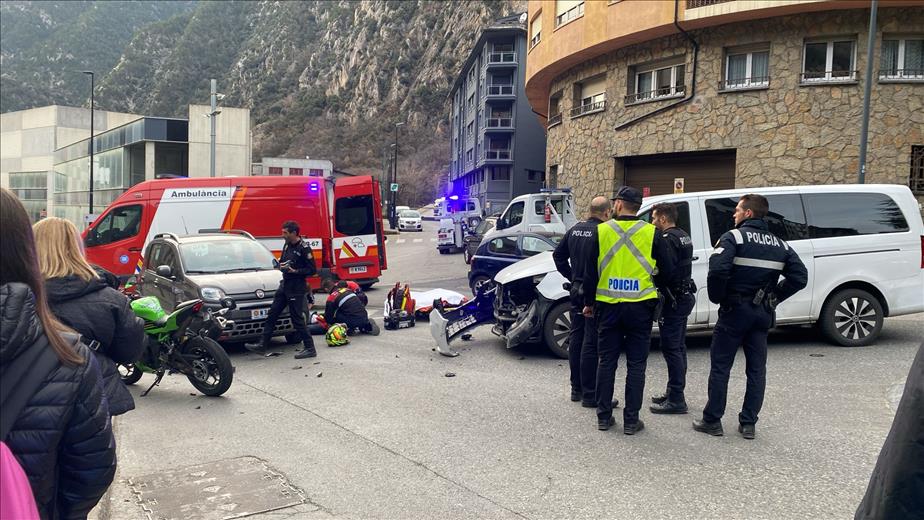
<point x="164" y="270"/>
<point x="501" y="224"/>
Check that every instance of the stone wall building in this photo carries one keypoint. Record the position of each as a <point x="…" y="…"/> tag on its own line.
<point x="777" y="100"/>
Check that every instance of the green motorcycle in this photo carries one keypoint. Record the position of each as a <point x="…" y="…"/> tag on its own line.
<point x="184" y="342"/>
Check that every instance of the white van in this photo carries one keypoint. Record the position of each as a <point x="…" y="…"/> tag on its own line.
<point x="549" y="210"/>
<point x="863" y="246"/>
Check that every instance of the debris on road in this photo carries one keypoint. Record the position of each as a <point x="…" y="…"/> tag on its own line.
<point x="320" y="374"/>
<point x="272" y="354"/>
<point x="297" y="368"/>
<point x="466" y="337"/>
<point x="450" y="374"/>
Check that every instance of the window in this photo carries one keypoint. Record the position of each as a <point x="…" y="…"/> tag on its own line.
<point x="902" y="58"/>
<point x="162" y="254"/>
<point x="558" y="204"/>
<point x="353" y="215"/>
<point x="120" y="223"/>
<point x="503" y="245"/>
<point x="567" y="11"/>
<point x="534" y="245"/>
<point x="315" y="172"/>
<point x="297" y="172"/>
<point x="535" y="30"/>
<point x="786" y="218"/>
<point x="553" y="176"/>
<point x="747" y="69"/>
<point x="555" y="109"/>
<point x="916" y="178"/>
<point x="829" y="61"/>
<point x="657" y="82"/>
<point x="275" y="170"/>
<point x="683" y="216"/>
<point x="469" y="155"/>
<point x="535" y="176"/>
<point x="500" y="173"/>
<point x="851" y="214"/>
<point x="589" y="96"/>
<point x="514" y="214"/>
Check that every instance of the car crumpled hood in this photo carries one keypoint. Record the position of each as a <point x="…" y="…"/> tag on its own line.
<point x="538" y="264"/>
<point x="239" y="283"/>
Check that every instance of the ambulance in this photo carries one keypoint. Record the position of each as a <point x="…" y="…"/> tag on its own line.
<point x="340" y="218"/>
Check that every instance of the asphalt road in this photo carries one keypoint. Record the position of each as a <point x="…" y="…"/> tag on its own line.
<point x="376" y="429"/>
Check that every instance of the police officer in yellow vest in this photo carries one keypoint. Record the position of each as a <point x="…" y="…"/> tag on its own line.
<point x="620" y="293"/>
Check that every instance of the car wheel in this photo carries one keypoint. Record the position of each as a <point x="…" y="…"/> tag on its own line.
<point x="481" y="282"/>
<point x="556" y="330"/>
<point x="467" y="256"/>
<point x="852" y="318"/>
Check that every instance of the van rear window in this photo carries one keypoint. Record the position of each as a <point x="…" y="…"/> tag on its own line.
<point x="851" y="214"/>
<point x="354" y="215"/>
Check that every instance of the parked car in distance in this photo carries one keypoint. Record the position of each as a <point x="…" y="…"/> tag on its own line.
<point x="409" y="220"/>
<point x="213" y="266"/>
<point x="399" y="209"/>
<point x="505" y="249"/>
<point x="473" y="239"/>
<point x="863" y="246"/>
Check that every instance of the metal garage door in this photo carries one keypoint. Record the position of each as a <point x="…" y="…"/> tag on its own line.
<point x="701" y="171"/>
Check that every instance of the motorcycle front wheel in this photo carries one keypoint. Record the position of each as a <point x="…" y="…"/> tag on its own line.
<point x="212" y="371"/>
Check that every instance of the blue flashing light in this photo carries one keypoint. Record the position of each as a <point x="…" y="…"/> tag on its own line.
<point x="454" y="197"/>
<point x="313" y="187"/>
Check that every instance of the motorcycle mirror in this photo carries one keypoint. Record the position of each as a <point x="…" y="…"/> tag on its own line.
<point x="228" y="303"/>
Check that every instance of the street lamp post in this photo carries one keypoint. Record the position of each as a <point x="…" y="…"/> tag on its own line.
<point x="864" y="125"/>
<point x="394" y="179"/>
<point x="92" y="103"/>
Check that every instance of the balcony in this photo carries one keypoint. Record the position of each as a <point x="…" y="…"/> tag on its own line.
<point x="500" y="91"/>
<point x="503" y="154"/>
<point x="655" y="95"/>
<point x="591" y="108"/>
<point x="499" y="123"/>
<point x="897" y="75"/>
<point x="757" y="82"/>
<point x="693" y="4"/>
<point x="554" y="120"/>
<point x="828" y="77"/>
<point x="502" y="58"/>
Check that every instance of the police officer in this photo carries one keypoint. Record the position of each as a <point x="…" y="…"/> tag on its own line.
<point x="582" y="347"/>
<point x="620" y="293"/>
<point x="677" y="296"/>
<point x="744" y="272"/>
<point x="296" y="263"/>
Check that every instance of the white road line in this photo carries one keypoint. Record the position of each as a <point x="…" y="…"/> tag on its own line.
<point x="432" y="240"/>
<point x="400" y="241"/>
<point x="418" y="240"/>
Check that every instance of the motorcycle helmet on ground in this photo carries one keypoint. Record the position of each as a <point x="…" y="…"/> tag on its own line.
<point x="336" y="335"/>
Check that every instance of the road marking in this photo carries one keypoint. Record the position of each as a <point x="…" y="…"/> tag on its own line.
<point x="417" y="240"/>
<point x="400" y="241"/>
<point x="432" y="240"/>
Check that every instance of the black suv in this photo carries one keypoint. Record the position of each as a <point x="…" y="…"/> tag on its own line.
<point x="212" y="266"/>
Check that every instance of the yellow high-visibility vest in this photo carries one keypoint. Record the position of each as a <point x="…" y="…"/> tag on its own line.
<point x="625" y="263"/>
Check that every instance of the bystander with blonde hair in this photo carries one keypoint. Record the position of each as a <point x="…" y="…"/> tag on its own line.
<point x="83" y="301"/>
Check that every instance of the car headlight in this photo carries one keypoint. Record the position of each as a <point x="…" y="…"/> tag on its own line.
<point x="211" y="294"/>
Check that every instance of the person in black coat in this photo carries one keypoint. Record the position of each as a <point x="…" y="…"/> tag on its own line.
<point x="86" y="303"/>
<point x="62" y="437"/>
<point x="896" y="488"/>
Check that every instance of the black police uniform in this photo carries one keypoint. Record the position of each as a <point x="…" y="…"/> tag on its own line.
<point x="292" y="291"/>
<point x="678" y="292"/>
<point x="622" y="327"/>
<point x="582" y="348"/>
<point x="746" y="265"/>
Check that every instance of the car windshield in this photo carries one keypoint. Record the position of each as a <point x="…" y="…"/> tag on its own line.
<point x="225" y="256"/>
<point x="410" y="214"/>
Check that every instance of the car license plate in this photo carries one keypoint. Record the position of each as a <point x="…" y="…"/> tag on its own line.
<point x="358" y="269"/>
<point x="258" y="314"/>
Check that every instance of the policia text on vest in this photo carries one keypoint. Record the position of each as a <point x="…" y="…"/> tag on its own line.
<point x="620" y="291"/>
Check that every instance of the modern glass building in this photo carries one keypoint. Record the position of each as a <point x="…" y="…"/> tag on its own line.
<point x="32" y="190"/>
<point x="121" y="158"/>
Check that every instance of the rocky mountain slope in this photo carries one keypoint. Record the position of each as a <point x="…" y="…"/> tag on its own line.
<point x="327" y="79"/>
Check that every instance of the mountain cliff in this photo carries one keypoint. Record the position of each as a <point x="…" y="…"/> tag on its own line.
<point x="326" y="79"/>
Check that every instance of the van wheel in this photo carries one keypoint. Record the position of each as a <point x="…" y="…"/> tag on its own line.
<point x="556" y="331"/>
<point x="852" y="318"/>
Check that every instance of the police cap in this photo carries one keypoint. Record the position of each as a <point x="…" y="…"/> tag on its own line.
<point x="628" y="194"/>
